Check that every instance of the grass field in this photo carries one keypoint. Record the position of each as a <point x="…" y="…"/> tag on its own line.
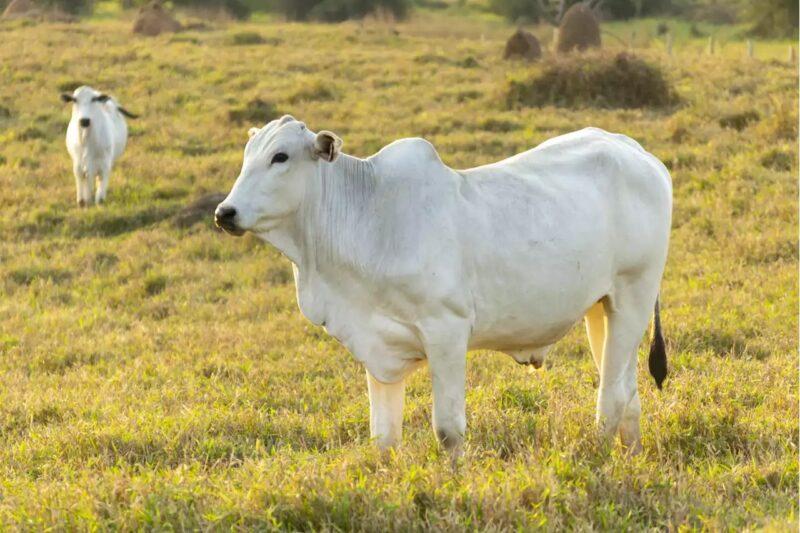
<point x="153" y="376"/>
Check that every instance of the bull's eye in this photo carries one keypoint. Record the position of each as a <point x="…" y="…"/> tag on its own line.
<point x="280" y="157"/>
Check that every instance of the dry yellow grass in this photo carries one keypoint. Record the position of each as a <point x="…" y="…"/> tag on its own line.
<point x="159" y="377"/>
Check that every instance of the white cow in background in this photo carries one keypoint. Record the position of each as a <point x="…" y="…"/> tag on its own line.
<point x="405" y="260"/>
<point x="96" y="137"/>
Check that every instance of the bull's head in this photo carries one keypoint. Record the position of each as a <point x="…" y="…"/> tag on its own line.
<point x="84" y="105"/>
<point x="279" y="159"/>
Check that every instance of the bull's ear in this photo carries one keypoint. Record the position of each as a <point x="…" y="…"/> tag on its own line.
<point x="252" y="131"/>
<point x="327" y="146"/>
<point x="66" y="97"/>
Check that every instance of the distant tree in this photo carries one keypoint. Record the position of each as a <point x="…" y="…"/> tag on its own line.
<point x="518" y="10"/>
<point x="772" y="18"/>
<point x="611" y="9"/>
<point x="339" y="10"/>
<point x="74" y="7"/>
<point x="236" y="8"/>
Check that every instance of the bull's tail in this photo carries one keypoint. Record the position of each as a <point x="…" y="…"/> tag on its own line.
<point x="657" y="362"/>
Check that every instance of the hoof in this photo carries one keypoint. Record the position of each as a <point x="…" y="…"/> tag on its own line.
<point x="449" y="440"/>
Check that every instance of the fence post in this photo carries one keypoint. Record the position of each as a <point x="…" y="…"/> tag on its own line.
<point x="710" y="48"/>
<point x="750" y="48"/>
<point x="792" y="56"/>
<point x="669" y="44"/>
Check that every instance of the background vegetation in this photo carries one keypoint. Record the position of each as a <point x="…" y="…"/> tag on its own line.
<point x="764" y="18"/>
<point x="154" y="375"/>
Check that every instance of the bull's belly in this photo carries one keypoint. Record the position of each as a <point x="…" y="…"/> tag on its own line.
<point x="535" y="300"/>
<point x="523" y="321"/>
<point x="525" y="341"/>
<point x="521" y="335"/>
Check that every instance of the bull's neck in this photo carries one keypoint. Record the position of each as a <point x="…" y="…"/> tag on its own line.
<point x="326" y="228"/>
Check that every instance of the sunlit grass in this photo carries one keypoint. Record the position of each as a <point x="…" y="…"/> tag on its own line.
<point x="153" y="376"/>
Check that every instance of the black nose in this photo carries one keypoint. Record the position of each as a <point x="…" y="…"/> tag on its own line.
<point x="224" y="217"/>
<point x="84" y="122"/>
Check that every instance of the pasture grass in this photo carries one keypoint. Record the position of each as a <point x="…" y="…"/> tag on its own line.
<point x="158" y="376"/>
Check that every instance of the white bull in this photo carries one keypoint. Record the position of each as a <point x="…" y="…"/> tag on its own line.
<point x="405" y="260"/>
<point x="96" y="137"/>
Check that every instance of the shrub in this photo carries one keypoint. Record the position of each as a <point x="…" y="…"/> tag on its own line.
<point x="777" y="160"/>
<point x="595" y="79"/>
<point x="245" y="38"/>
<point x="739" y="121"/>
<point x="339" y="10"/>
<point x="154" y="284"/>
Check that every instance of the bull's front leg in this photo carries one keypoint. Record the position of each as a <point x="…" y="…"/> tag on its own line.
<point x="386" y="411"/>
<point x="447" y="360"/>
<point x="80" y="178"/>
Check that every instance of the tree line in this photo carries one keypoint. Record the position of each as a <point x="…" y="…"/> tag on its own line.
<point x="766" y="18"/>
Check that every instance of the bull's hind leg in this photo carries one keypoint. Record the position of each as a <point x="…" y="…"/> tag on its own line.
<point x="595" y="319"/>
<point x="88" y="183"/>
<point x="618" y="406"/>
<point x="102" y="184"/>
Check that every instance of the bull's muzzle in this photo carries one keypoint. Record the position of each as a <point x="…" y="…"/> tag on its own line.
<point x="225" y="219"/>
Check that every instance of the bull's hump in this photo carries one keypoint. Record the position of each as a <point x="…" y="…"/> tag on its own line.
<point x="412" y="158"/>
<point x="413" y="150"/>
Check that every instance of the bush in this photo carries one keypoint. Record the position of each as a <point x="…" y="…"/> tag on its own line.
<point x="243" y="38"/>
<point x="778" y="160"/>
<point x="595" y="79"/>
<point x="339" y="10"/>
<point x="739" y="121"/>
